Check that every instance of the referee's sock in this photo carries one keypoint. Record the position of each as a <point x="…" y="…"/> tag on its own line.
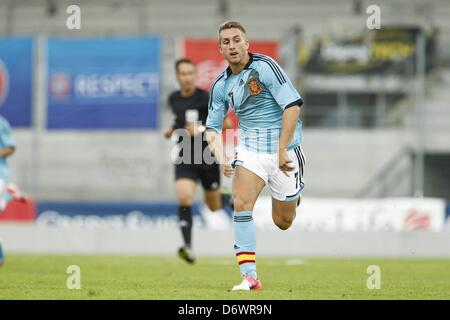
<point x="245" y="242"/>
<point x="185" y="215"/>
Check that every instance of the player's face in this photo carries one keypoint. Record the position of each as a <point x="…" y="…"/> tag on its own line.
<point x="186" y="76"/>
<point x="233" y="45"/>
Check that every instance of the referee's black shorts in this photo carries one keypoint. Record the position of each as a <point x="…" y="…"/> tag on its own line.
<point x="208" y="174"/>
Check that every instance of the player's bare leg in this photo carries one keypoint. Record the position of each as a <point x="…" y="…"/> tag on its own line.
<point x="283" y="213"/>
<point x="246" y="188"/>
<point x="213" y="199"/>
<point x="216" y="217"/>
<point x="185" y="190"/>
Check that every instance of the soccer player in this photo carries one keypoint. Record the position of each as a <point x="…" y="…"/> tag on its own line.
<point x="7" y="148"/>
<point x="190" y="107"/>
<point x="268" y="151"/>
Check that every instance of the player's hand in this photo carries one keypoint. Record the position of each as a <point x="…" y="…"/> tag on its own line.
<point x="227" y="123"/>
<point x="168" y="133"/>
<point x="285" y="163"/>
<point x="227" y="170"/>
<point x="194" y="128"/>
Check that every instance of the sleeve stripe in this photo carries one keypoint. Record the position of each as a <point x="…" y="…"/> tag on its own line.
<point x="212" y="88"/>
<point x="276" y="74"/>
<point x="272" y="62"/>
<point x="273" y="66"/>
<point x="298" y="102"/>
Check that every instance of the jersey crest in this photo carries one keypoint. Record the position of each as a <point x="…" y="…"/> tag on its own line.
<point x="254" y="86"/>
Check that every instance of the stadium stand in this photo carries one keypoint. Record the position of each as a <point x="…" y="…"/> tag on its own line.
<point x="355" y="151"/>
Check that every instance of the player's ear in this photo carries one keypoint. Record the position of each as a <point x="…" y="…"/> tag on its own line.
<point x="219" y="40"/>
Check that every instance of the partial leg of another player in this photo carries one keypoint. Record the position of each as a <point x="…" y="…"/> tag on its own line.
<point x="216" y="217"/>
<point x="246" y="188"/>
<point x="213" y="199"/>
<point x="210" y="179"/>
<point x="185" y="190"/>
<point x="226" y="197"/>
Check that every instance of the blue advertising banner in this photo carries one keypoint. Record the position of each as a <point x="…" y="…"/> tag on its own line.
<point x="104" y="83"/>
<point x="16" y="80"/>
<point x="110" y="214"/>
<point x="118" y="214"/>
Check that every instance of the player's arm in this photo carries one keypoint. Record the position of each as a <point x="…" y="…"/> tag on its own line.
<point x="215" y="144"/>
<point x="227" y="123"/>
<point x="7" y="141"/>
<point x="6" y="152"/>
<point x="168" y="132"/>
<point x="217" y="108"/>
<point x="289" y="123"/>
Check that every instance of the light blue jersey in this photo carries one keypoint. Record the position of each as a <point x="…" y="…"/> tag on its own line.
<point x="258" y="94"/>
<point x="6" y="141"/>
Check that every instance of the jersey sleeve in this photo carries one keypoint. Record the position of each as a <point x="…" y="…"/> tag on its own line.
<point x="277" y="82"/>
<point x="217" y="107"/>
<point x="6" y="137"/>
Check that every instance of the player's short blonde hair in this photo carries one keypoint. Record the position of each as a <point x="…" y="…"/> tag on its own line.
<point x="230" y="24"/>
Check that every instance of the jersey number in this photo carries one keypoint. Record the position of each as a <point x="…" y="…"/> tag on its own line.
<point x="297" y="180"/>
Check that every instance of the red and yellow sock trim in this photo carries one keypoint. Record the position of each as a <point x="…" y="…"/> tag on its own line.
<point x="245" y="257"/>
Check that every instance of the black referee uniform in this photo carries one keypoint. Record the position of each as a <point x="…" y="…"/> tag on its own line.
<point x="208" y="174"/>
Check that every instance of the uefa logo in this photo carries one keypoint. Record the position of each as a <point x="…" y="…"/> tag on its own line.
<point x="59" y="85"/>
<point x="4" y="83"/>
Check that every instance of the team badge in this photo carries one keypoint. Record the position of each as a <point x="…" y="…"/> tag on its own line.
<point x="254" y="86"/>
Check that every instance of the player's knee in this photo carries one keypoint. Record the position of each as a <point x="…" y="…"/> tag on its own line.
<point x="214" y="206"/>
<point x="242" y="203"/>
<point x="185" y="200"/>
<point x="284" y="223"/>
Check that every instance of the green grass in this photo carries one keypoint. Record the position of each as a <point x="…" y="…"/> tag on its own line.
<point x="140" y="277"/>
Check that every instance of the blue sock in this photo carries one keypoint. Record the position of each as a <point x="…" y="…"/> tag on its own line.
<point x="245" y="242"/>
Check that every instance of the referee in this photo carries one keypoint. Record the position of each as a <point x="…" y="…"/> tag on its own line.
<point x="190" y="108"/>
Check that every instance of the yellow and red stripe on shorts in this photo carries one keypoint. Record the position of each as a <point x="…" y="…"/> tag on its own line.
<point x="245" y="257"/>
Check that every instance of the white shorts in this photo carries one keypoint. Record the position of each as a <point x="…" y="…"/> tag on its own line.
<point x="282" y="187"/>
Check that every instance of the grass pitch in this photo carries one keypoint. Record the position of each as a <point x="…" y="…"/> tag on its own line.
<point x="141" y="277"/>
